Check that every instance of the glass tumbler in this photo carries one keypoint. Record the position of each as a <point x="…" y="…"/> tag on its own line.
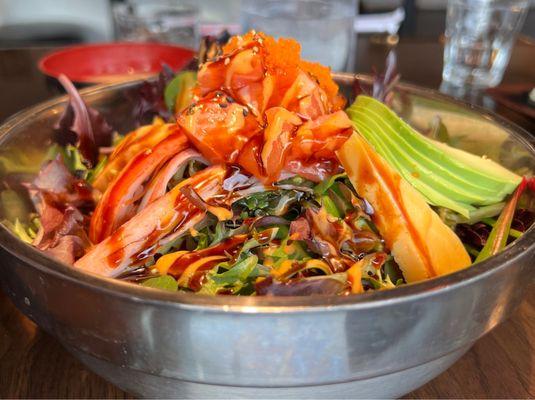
<point x="169" y="21"/>
<point x="480" y="35"/>
<point x="324" y="28"/>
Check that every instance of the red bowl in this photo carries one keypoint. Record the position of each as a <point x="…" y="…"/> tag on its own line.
<point x="110" y="62"/>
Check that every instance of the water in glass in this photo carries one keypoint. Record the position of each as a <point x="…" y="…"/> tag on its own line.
<point x="479" y="37"/>
<point x="325" y="29"/>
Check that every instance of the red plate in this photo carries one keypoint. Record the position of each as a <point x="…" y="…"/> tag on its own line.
<point x="110" y="62"/>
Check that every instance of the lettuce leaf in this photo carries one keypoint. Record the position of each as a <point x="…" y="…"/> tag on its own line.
<point x="233" y="278"/>
<point x="82" y="125"/>
<point x="164" y="282"/>
<point x="178" y="93"/>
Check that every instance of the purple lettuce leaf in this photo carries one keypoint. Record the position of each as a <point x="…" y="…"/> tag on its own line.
<point x="384" y="83"/>
<point x="58" y="198"/>
<point x="148" y="99"/>
<point x="475" y="235"/>
<point x="82" y="125"/>
<point x="300" y="287"/>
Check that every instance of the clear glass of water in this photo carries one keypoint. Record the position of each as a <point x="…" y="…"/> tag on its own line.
<point x="324" y="28"/>
<point x="480" y="35"/>
<point x="169" y="21"/>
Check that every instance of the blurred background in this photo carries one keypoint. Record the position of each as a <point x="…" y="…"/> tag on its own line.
<point x="30" y="23"/>
<point x="454" y="45"/>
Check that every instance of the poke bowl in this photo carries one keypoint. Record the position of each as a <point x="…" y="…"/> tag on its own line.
<point x="379" y="343"/>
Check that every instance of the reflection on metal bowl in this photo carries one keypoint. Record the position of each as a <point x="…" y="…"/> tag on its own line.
<point x="160" y="344"/>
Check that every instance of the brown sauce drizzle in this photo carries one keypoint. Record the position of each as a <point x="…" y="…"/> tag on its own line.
<point x="116" y="242"/>
<point x="118" y="188"/>
<point x="183" y="211"/>
<point x="228" y="247"/>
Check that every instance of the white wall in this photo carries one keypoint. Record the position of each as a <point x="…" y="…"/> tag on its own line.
<point x="93" y="15"/>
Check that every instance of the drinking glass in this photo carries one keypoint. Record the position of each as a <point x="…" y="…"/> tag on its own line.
<point x="480" y="35"/>
<point x="170" y="21"/>
<point x="324" y="28"/>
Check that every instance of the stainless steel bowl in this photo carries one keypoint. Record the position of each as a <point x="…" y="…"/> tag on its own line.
<point x="384" y="344"/>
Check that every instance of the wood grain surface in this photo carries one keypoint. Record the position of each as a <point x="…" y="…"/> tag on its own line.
<point x="500" y="365"/>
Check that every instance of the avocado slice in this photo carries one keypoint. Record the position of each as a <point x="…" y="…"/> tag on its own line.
<point x="418" y="167"/>
<point x="425" y="156"/>
<point x="432" y="196"/>
<point x="478" y="162"/>
<point x="405" y="134"/>
<point x="446" y="176"/>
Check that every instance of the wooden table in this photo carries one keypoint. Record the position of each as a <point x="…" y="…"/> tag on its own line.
<point x="500" y="365"/>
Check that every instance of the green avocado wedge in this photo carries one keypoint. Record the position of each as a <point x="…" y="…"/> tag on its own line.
<point x="445" y="176"/>
<point x="421" y="168"/>
<point x="432" y="196"/>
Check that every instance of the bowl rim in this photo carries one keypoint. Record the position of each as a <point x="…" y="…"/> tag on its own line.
<point x="263" y="304"/>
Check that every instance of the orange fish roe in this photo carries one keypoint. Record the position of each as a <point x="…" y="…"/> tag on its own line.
<point x="282" y="58"/>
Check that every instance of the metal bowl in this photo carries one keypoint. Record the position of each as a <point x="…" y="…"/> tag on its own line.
<point x="384" y="344"/>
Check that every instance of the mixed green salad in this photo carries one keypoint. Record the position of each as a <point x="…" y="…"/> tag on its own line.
<point x="249" y="176"/>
